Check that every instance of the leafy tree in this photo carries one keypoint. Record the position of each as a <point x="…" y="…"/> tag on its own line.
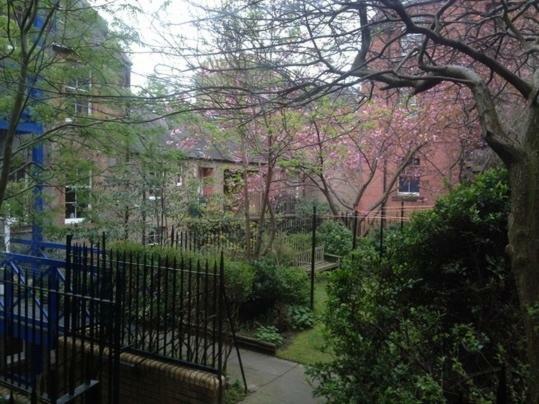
<point x="436" y="319"/>
<point x="60" y="66"/>
<point x="341" y="148"/>
<point x="484" y="51"/>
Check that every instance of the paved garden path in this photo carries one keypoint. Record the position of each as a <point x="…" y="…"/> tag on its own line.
<point x="272" y="380"/>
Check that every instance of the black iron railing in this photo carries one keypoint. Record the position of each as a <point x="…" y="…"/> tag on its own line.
<point x="58" y="331"/>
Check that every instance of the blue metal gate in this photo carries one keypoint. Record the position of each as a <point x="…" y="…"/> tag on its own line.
<point x="58" y="327"/>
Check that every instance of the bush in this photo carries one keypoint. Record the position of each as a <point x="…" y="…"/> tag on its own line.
<point x="437" y="318"/>
<point x="300" y="318"/>
<point x="336" y="237"/>
<point x="285" y="247"/>
<point x="239" y="279"/>
<point x="273" y="283"/>
<point x="305" y="207"/>
<point x="239" y="275"/>
<point x="269" y="334"/>
<point x="274" y="288"/>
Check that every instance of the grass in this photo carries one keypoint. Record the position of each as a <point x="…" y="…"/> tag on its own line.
<point x="306" y="346"/>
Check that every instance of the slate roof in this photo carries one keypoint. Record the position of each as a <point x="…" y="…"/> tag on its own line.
<point x="201" y="146"/>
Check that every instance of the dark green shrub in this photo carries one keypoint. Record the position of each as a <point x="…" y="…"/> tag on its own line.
<point x="437" y="318"/>
<point x="300" y="318"/>
<point x="305" y="207"/>
<point x="269" y="334"/>
<point x="239" y="275"/>
<point x="336" y="238"/>
<point x="239" y="279"/>
<point x="285" y="247"/>
<point x="285" y="285"/>
<point x="274" y="288"/>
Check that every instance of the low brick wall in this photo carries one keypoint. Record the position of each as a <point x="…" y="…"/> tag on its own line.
<point x="144" y="380"/>
<point x="150" y="381"/>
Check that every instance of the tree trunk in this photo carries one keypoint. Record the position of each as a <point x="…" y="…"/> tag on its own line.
<point x="6" y="143"/>
<point x="265" y="204"/>
<point x="246" y="199"/>
<point x="524" y="242"/>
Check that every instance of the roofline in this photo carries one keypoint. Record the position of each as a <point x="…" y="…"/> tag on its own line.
<point x="221" y="160"/>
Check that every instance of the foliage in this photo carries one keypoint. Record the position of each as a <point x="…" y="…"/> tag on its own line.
<point x="310" y="347"/>
<point x="269" y="334"/>
<point x="62" y="67"/>
<point x="436" y="319"/>
<point x="239" y="280"/>
<point x="305" y="207"/>
<point x="234" y="393"/>
<point x="239" y="275"/>
<point x="274" y="288"/>
<point x="300" y="317"/>
<point x="273" y="283"/>
<point x="285" y="247"/>
<point x="336" y="237"/>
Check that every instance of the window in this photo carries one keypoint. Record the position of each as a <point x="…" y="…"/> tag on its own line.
<point x="179" y="181"/>
<point x="155" y="185"/>
<point x="409" y="182"/>
<point x="205" y="174"/>
<point x="79" y="101"/>
<point x="76" y="203"/>
<point x="408" y="185"/>
<point x="155" y="236"/>
<point x="179" y="178"/>
<point x="232" y="182"/>
<point x="77" y="197"/>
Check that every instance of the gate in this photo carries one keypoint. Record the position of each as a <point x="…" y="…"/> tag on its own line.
<point x="59" y="328"/>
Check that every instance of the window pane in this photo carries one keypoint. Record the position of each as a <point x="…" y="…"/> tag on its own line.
<point x="408" y="184"/>
<point x="403" y="184"/>
<point x="414" y="185"/>
<point x="70" y="195"/>
<point x="70" y="211"/>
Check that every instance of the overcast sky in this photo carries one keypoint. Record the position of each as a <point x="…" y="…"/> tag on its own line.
<point x="146" y="58"/>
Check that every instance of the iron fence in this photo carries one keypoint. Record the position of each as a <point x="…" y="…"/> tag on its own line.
<point x="173" y="308"/>
<point x="64" y="323"/>
<point x="58" y="332"/>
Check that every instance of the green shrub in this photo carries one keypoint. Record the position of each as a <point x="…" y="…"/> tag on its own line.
<point x="336" y="238"/>
<point x="239" y="279"/>
<point x="274" y="288"/>
<point x="436" y="319"/>
<point x="239" y="275"/>
<point x="305" y="207"/>
<point x="285" y="285"/>
<point x="285" y="247"/>
<point x="300" y="318"/>
<point x="269" y="334"/>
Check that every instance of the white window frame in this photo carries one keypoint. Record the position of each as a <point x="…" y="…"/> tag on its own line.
<point x="76" y="90"/>
<point x="414" y="162"/>
<point x="77" y="220"/>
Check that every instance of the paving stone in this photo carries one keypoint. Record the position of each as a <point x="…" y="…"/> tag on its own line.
<point x="274" y="380"/>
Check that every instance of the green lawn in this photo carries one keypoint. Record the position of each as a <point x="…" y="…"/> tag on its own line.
<point x="306" y="347"/>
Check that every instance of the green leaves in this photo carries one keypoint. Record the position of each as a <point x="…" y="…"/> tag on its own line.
<point x="437" y="316"/>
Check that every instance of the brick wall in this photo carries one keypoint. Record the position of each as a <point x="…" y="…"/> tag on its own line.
<point x="151" y="381"/>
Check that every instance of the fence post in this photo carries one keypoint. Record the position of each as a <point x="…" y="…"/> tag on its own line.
<point x="313" y="248"/>
<point x="354" y="239"/>
<point x="220" y="325"/>
<point x="382" y="223"/>
<point x="402" y="214"/>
